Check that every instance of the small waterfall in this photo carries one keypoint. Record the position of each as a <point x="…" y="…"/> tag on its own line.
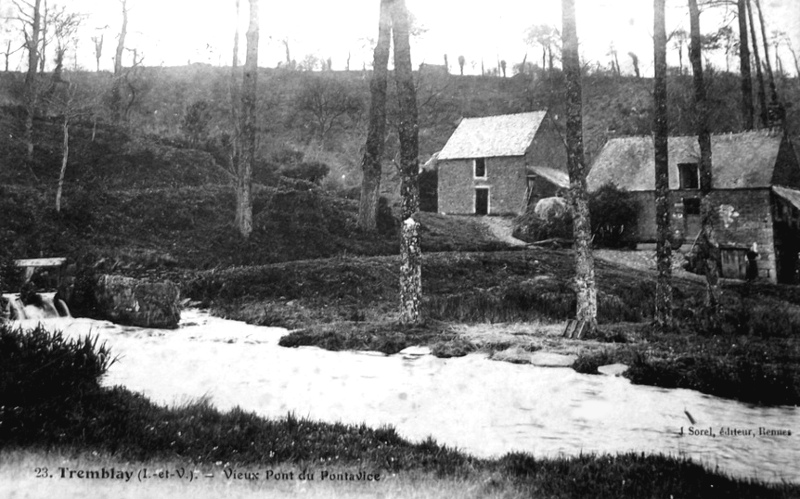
<point x="48" y="308"/>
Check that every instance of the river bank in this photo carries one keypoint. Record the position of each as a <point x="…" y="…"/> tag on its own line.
<point x="578" y="444"/>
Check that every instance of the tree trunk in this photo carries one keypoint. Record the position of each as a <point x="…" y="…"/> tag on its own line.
<point x="116" y="86"/>
<point x="709" y="247"/>
<point x="64" y="157"/>
<point x="576" y="166"/>
<point x="408" y="128"/>
<point x="376" y="134"/>
<point x="30" y="77"/>
<point x="235" y="101"/>
<point x="663" y="312"/>
<point x="744" y="63"/>
<point x="773" y="92"/>
<point x="43" y="52"/>
<point x="762" y="94"/>
<point x="244" y="187"/>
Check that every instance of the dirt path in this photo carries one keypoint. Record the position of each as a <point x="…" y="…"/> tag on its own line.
<point x="501" y="229"/>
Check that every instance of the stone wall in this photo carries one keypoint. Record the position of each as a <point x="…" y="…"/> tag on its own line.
<point x="746" y="220"/>
<point x="505" y="178"/>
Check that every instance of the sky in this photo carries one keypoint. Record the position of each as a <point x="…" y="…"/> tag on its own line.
<point x="176" y="32"/>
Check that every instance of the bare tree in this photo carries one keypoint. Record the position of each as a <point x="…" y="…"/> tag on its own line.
<point x="43" y="51"/>
<point x="98" y="50"/>
<point x="612" y="51"/>
<point x="744" y="65"/>
<point x="65" y="26"/>
<point x="376" y="133"/>
<point x="585" y="288"/>
<point x="244" y="185"/>
<point x="70" y="101"/>
<point x="635" y="62"/>
<point x="663" y="311"/>
<point x="709" y="247"/>
<point x="116" y="86"/>
<point x="30" y="16"/>
<point x="762" y="93"/>
<point x="408" y="129"/>
<point x="773" y="92"/>
<point x="547" y="37"/>
<point x="326" y="102"/>
<point x="679" y="41"/>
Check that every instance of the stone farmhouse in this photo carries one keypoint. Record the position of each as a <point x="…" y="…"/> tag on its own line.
<point x="497" y="165"/>
<point x="756" y="187"/>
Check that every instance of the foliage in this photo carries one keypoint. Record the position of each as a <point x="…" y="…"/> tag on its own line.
<point x="614" y="213"/>
<point x="312" y="172"/>
<point x="10" y="274"/>
<point x="42" y="374"/>
<point x="531" y="227"/>
<point x="196" y="121"/>
<point x="327" y="104"/>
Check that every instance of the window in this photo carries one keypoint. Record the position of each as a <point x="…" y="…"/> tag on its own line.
<point x="480" y="167"/>
<point x="688" y="175"/>
<point x="691" y="206"/>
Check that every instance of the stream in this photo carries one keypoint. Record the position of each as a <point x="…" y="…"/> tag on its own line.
<point x="484" y="407"/>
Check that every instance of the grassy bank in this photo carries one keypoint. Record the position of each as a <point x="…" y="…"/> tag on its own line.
<point x="115" y="427"/>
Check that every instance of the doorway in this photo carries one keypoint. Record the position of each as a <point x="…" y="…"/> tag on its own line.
<point x="482" y="201"/>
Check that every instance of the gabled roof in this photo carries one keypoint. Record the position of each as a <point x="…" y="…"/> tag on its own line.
<point x="492" y="136"/>
<point x="790" y="195"/>
<point x="556" y="177"/>
<point x="738" y="160"/>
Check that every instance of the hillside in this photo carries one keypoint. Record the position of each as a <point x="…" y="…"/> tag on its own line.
<point x="155" y="188"/>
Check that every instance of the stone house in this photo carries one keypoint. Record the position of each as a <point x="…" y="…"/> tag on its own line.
<point x="755" y="187"/>
<point x="497" y="165"/>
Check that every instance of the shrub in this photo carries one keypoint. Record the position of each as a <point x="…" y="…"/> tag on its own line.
<point x="312" y="172"/>
<point x="613" y="212"/>
<point x="42" y="374"/>
<point x="195" y="122"/>
<point x="531" y="227"/>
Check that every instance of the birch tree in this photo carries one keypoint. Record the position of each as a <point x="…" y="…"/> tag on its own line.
<point x="709" y="247"/>
<point x="116" y="88"/>
<point x="376" y="133"/>
<point x="244" y="180"/>
<point x="31" y="17"/>
<point x="576" y="166"/>
<point x="663" y="311"/>
<point x="408" y="130"/>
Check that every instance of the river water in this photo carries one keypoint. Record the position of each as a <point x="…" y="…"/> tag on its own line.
<point x="483" y="407"/>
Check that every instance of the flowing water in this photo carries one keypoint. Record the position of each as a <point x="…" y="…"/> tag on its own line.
<point x="484" y="407"/>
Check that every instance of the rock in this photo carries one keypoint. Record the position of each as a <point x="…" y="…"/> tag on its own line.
<point x="612" y="369"/>
<point x="135" y="302"/>
<point x="545" y="359"/>
<point x="415" y="351"/>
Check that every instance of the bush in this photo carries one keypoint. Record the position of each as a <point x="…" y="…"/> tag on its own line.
<point x="613" y="212"/>
<point x="530" y="227"/>
<point x="312" y="172"/>
<point x="42" y="374"/>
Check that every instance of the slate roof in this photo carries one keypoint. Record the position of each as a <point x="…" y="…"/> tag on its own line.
<point x="556" y="177"/>
<point x="790" y="195"/>
<point x="738" y="160"/>
<point x="493" y="136"/>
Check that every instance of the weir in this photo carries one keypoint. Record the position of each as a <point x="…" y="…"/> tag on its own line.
<point x="47" y="306"/>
